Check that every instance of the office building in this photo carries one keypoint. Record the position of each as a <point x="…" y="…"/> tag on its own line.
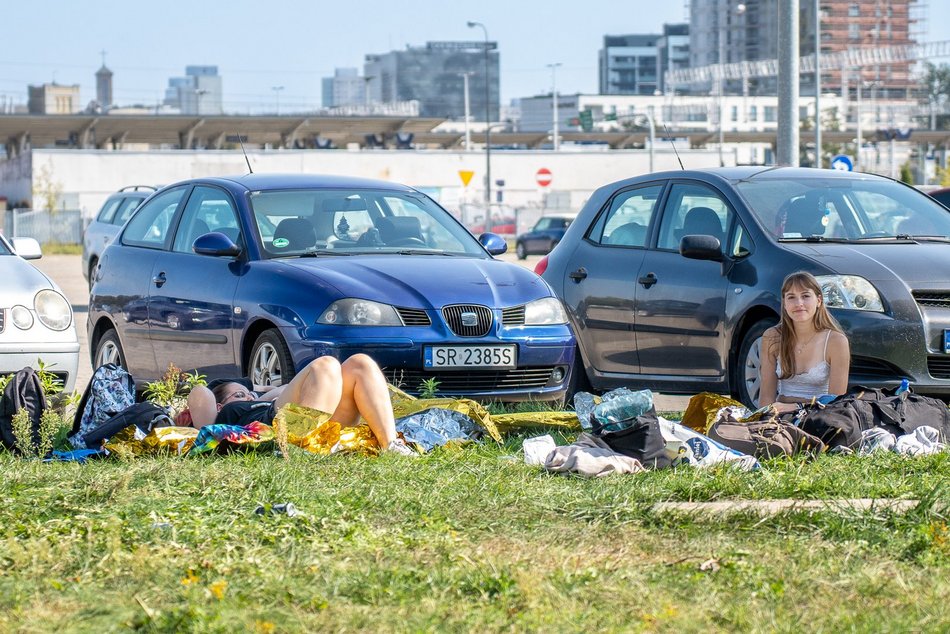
<point x="628" y="65"/>
<point x="432" y="75"/>
<point x="672" y="51"/>
<point x="199" y="92"/>
<point x="346" y="88"/>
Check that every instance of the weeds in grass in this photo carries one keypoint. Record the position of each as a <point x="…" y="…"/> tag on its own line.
<point x="51" y="433"/>
<point x="429" y="388"/>
<point x="171" y="391"/>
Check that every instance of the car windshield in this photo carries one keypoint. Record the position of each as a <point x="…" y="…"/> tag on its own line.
<point x="836" y="209"/>
<point x="349" y="222"/>
<point x="4" y="250"/>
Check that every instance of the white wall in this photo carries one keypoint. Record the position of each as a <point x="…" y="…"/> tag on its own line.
<point x="89" y="176"/>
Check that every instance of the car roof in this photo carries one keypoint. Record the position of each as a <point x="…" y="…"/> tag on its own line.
<point x="751" y="173"/>
<point x="270" y="181"/>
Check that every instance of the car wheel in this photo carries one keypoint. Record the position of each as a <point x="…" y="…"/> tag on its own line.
<point x="109" y="350"/>
<point x="271" y="363"/>
<point x="93" y="263"/>
<point x="520" y="251"/>
<point x="579" y="381"/>
<point x="746" y="379"/>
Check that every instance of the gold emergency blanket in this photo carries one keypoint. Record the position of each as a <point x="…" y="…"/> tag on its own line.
<point x="173" y="440"/>
<point x="702" y="409"/>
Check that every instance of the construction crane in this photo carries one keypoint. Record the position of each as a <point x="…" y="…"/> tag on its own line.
<point x="857" y="57"/>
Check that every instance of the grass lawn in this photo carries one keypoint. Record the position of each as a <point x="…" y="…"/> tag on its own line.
<point x="464" y="539"/>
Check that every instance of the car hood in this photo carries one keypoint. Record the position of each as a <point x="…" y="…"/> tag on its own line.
<point x="21" y="281"/>
<point x="421" y="281"/>
<point x="924" y="262"/>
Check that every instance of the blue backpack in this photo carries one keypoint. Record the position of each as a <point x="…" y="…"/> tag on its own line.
<point x="110" y="392"/>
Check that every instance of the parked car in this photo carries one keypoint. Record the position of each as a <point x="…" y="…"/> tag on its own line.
<point x="671" y="278"/>
<point x="112" y="215"/>
<point x="942" y="195"/>
<point x="36" y="320"/>
<point x="259" y="274"/>
<point x="547" y="232"/>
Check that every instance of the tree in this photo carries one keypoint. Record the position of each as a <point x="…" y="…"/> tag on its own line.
<point x="936" y="87"/>
<point x="46" y="191"/>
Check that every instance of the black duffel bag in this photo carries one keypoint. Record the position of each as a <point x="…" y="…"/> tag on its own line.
<point x="638" y="437"/>
<point x="842" y="421"/>
<point x="146" y="416"/>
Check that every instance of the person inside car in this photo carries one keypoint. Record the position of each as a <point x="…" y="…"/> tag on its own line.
<point x="349" y="390"/>
<point x="806" y="355"/>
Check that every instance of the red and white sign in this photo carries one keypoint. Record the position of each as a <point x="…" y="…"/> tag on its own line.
<point x="543" y="177"/>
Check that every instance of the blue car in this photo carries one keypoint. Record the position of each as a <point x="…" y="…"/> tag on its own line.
<point x="257" y="275"/>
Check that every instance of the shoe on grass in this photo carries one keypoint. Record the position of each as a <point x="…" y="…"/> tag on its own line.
<point x="400" y="448"/>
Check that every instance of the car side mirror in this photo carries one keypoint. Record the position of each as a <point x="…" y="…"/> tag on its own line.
<point x="27" y="248"/>
<point x="701" y="248"/>
<point x="493" y="243"/>
<point x="216" y="244"/>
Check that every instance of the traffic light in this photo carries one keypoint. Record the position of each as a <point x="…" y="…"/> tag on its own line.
<point x="587" y="120"/>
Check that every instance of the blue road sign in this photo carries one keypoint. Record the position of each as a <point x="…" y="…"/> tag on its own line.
<point x="842" y="162"/>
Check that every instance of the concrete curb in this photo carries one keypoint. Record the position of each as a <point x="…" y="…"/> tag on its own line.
<point x="777" y="507"/>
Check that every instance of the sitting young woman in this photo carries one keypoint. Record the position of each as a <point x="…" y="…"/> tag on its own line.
<point x="349" y="390"/>
<point x="806" y="355"/>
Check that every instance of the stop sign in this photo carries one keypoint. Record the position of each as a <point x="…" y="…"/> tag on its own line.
<point x="543" y="177"/>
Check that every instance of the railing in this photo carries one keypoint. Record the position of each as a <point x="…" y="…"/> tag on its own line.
<point x="63" y="226"/>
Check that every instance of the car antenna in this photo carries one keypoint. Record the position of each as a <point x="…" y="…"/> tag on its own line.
<point x="667" y="130"/>
<point x="241" y="141"/>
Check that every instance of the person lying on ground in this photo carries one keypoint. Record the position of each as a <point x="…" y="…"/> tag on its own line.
<point x="347" y="391"/>
<point x="806" y="355"/>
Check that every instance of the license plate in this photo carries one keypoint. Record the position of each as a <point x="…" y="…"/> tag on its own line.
<point x="946" y="340"/>
<point x="470" y="356"/>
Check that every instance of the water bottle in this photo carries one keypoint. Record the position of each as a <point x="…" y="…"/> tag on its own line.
<point x="904" y="386"/>
<point x="613" y="413"/>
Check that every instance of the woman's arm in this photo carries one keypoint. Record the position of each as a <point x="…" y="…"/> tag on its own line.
<point x="839" y="358"/>
<point x="268" y="392"/>
<point x="768" y="380"/>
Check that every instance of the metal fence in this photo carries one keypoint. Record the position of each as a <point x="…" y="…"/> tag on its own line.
<point x="62" y="226"/>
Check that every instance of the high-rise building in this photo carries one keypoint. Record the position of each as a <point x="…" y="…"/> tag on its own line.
<point x="747" y="30"/>
<point x="345" y="88"/>
<point x="199" y="92"/>
<point x="672" y="51"/>
<point x="628" y="65"/>
<point x="432" y="75"/>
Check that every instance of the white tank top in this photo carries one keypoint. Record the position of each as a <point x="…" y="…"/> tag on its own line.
<point x="808" y="384"/>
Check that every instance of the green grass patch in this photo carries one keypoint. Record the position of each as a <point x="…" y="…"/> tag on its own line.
<point x="61" y="248"/>
<point x="464" y="539"/>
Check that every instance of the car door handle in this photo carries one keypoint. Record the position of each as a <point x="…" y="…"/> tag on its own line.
<point x="648" y="280"/>
<point x="578" y="275"/>
<point x="159" y="279"/>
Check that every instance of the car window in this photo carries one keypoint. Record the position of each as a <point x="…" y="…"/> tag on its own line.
<point x="628" y="218"/>
<point x="149" y="227"/>
<point x="208" y="209"/>
<point x="542" y="224"/>
<point x="126" y="209"/>
<point x="693" y="209"/>
<point x="108" y="210"/>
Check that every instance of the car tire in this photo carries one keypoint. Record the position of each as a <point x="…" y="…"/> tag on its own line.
<point x="93" y="264"/>
<point x="109" y="350"/>
<point x="271" y="362"/>
<point x="520" y="251"/>
<point x="579" y="381"/>
<point x="745" y="380"/>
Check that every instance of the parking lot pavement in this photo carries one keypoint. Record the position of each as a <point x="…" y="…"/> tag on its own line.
<point x="66" y="270"/>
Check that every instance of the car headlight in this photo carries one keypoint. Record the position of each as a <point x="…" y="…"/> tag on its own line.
<point x="359" y="312"/>
<point x="544" y="312"/>
<point x="22" y="317"/>
<point x="53" y="310"/>
<point x="850" y="291"/>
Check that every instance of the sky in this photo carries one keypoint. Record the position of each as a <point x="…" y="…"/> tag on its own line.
<point x="258" y="46"/>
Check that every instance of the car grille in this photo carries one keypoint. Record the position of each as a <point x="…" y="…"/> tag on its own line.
<point x="933" y="299"/>
<point x="939" y="366"/>
<point x="453" y="316"/>
<point x="413" y="316"/>
<point x="513" y="316"/>
<point x="470" y="380"/>
<point x="874" y="369"/>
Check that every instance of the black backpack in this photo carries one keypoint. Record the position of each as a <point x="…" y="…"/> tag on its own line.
<point x="842" y="421"/>
<point x="23" y="391"/>
<point x="146" y="416"/>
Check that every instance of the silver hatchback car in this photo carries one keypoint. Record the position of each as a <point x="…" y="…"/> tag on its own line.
<point x="118" y="208"/>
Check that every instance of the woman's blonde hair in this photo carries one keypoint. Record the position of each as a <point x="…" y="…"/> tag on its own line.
<point x="822" y="320"/>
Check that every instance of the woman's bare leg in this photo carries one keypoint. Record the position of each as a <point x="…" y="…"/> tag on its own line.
<point x="318" y="386"/>
<point x="365" y="393"/>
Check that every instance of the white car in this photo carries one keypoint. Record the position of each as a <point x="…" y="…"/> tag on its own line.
<point x="36" y="320"/>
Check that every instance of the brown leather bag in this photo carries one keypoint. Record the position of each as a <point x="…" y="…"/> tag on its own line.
<point x="766" y="439"/>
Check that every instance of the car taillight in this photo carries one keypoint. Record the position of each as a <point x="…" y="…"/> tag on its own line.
<point x="541" y="266"/>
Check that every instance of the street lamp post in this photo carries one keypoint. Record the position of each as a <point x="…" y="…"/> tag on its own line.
<point x="818" y="161"/>
<point x="553" y="67"/>
<point x="487" y="115"/>
<point x="277" y="90"/>
<point x="723" y="31"/>
<point x="468" y="132"/>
